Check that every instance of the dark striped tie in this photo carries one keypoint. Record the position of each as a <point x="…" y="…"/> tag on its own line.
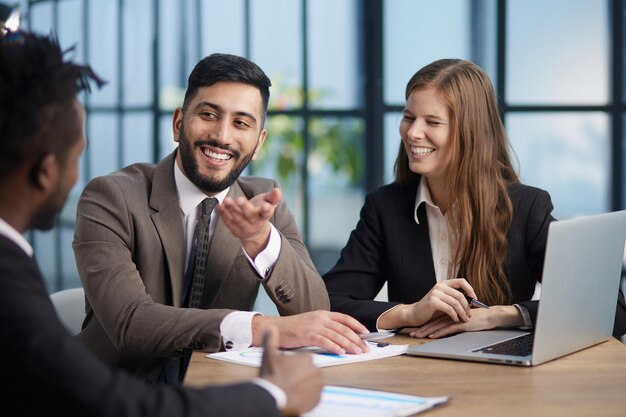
<point x="201" y="251"/>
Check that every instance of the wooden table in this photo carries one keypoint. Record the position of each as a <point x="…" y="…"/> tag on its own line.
<point x="588" y="383"/>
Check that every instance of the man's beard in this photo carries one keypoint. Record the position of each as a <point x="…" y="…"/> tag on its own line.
<point x="45" y="218"/>
<point x="190" y="165"/>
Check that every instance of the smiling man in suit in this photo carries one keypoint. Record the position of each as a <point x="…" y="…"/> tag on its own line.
<point x="47" y="371"/>
<point x="136" y="246"/>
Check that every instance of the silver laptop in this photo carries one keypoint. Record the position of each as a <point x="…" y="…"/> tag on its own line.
<point x="580" y="284"/>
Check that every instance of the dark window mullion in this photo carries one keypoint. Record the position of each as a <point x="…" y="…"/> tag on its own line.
<point x="501" y="57"/>
<point x="617" y="100"/>
<point x="556" y="108"/>
<point x="371" y="29"/>
<point x="317" y="112"/>
<point x="198" y="22"/>
<point x="58" y="243"/>
<point x="477" y="31"/>
<point x="120" y="84"/>
<point x="247" y="51"/>
<point x="306" y="118"/>
<point x="246" y="27"/>
<point x="86" y="97"/>
<point x="156" y="84"/>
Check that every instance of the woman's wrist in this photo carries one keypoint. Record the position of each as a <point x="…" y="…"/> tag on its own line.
<point x="394" y="318"/>
<point x="506" y="316"/>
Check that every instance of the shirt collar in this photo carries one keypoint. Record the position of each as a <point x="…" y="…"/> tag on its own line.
<point x="7" y="230"/>
<point x="423" y="196"/>
<point x="190" y="196"/>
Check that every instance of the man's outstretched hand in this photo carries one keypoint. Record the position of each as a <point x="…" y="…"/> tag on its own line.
<point x="248" y="220"/>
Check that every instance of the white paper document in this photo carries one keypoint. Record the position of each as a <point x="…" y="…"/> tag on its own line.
<point x="340" y="401"/>
<point x="252" y="356"/>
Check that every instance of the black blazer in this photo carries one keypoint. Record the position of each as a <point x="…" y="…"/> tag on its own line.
<point x="387" y="245"/>
<point x="46" y="370"/>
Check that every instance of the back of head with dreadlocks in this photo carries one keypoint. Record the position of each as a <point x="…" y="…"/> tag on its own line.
<point x="37" y="87"/>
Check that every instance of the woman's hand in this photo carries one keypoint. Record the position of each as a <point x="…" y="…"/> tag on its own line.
<point x="481" y="319"/>
<point x="443" y="300"/>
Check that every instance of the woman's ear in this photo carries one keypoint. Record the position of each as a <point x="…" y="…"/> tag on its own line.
<point x="44" y="173"/>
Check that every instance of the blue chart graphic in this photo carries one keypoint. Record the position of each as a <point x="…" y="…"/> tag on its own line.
<point x="254" y="354"/>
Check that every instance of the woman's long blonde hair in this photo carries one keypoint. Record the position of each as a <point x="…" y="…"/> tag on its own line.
<point x="479" y="176"/>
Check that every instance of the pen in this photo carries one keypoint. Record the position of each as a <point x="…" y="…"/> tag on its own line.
<point x="474" y="301"/>
<point x="376" y="335"/>
<point x="377" y="344"/>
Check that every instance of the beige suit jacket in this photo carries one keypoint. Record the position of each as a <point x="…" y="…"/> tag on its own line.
<point x="130" y="252"/>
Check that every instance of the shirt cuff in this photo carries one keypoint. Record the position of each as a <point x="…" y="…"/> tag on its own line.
<point x="274" y="390"/>
<point x="528" y="323"/>
<point x="236" y="330"/>
<point x="266" y="260"/>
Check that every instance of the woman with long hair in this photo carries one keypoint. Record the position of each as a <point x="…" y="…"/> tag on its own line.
<point x="455" y="224"/>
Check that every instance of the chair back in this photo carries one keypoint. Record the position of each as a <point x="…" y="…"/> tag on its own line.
<point x="70" y="307"/>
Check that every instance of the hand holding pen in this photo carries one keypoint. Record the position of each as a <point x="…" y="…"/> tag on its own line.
<point x="445" y="298"/>
<point x="472" y="301"/>
<point x="446" y="324"/>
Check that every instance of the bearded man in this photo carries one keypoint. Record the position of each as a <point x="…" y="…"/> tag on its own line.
<point x="138" y="248"/>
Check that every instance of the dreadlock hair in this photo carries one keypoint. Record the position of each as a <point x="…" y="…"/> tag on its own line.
<point x="37" y="87"/>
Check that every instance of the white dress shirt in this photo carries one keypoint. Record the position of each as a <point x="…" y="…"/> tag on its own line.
<point x="7" y="230"/>
<point x="441" y="234"/>
<point x="236" y="328"/>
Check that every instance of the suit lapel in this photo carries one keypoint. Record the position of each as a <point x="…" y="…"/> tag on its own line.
<point x="223" y="250"/>
<point x="418" y="267"/>
<point x="167" y="219"/>
<point x="425" y="259"/>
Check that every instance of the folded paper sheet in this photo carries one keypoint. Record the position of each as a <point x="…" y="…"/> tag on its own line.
<point x="340" y="401"/>
<point x="252" y="356"/>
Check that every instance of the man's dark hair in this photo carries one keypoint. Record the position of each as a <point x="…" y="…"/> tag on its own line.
<point x="224" y="67"/>
<point x="37" y="87"/>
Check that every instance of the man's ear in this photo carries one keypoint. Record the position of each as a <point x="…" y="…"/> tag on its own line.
<point x="177" y="123"/>
<point x="44" y="173"/>
<point x="259" y="144"/>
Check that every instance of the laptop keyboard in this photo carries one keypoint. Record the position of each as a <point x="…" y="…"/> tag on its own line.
<point x="520" y="346"/>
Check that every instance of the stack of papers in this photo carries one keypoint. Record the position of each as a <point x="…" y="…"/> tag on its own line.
<point x="351" y="402"/>
<point x="252" y="356"/>
<point x="338" y="401"/>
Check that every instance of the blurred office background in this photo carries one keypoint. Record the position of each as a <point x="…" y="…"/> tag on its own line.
<point x="339" y="68"/>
